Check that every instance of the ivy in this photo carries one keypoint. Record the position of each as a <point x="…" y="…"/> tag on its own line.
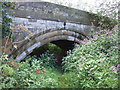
<point x="6" y="18"/>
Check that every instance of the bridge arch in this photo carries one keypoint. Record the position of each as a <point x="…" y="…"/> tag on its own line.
<point x="41" y="20"/>
<point x="26" y="47"/>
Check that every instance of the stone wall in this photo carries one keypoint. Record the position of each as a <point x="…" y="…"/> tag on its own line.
<point x="50" y="11"/>
<point x="38" y="23"/>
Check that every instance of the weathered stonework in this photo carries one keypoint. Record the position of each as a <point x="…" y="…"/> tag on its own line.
<point x="45" y="10"/>
<point x="70" y="38"/>
<point x="44" y="26"/>
<point x="48" y="22"/>
<point x="21" y="56"/>
<point x="31" y="48"/>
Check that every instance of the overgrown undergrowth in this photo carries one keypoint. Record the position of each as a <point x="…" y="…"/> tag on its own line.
<point x="91" y="65"/>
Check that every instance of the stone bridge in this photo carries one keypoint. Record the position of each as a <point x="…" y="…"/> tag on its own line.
<point x="38" y="23"/>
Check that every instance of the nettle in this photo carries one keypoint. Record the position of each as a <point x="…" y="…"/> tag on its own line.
<point x="95" y="64"/>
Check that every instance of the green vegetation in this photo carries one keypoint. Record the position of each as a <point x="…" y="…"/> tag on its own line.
<point x="103" y="21"/>
<point x="91" y="65"/>
<point x="52" y="48"/>
<point x="95" y="64"/>
<point x="6" y="18"/>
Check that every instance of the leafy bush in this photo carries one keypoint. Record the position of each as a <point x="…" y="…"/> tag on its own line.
<point x="45" y="60"/>
<point x="33" y="73"/>
<point x="91" y="65"/>
<point x="95" y="64"/>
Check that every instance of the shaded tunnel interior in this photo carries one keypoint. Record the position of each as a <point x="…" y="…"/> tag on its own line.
<point x="63" y="45"/>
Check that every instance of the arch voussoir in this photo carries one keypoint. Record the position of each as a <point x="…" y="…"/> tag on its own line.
<point x="41" y="40"/>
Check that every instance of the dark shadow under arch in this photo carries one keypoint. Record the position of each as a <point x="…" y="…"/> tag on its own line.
<point x="64" y="45"/>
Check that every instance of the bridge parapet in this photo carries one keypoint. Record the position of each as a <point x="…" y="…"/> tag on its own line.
<point x="50" y="11"/>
